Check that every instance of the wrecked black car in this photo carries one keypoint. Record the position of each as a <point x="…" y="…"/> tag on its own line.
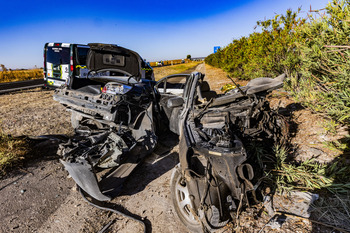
<point x="213" y="179"/>
<point x="118" y="112"/>
<point x="114" y="112"/>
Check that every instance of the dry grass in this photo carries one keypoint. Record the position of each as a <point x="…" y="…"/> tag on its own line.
<point x="34" y="113"/>
<point x="20" y="75"/>
<point x="160" y="72"/>
<point x="12" y="151"/>
<point x="171" y="62"/>
<point x="217" y="78"/>
<point x="30" y="113"/>
<point x="333" y="211"/>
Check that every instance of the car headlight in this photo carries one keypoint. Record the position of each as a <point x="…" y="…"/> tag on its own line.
<point x="116" y="88"/>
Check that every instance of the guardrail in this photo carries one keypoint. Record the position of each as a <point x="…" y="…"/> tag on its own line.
<point x="20" y="85"/>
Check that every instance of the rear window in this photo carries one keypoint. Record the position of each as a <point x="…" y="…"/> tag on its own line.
<point x="58" y="55"/>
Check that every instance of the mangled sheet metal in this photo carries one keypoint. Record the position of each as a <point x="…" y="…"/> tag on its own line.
<point x="113" y="118"/>
<point x="214" y="178"/>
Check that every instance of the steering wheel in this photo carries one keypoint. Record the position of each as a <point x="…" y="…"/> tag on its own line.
<point x="115" y="70"/>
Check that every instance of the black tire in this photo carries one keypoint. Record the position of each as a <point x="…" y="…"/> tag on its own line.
<point x="181" y="201"/>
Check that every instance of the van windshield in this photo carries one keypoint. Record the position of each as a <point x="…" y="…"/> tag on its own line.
<point x="58" y="55"/>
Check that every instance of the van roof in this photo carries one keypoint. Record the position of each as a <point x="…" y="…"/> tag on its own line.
<point x="55" y="44"/>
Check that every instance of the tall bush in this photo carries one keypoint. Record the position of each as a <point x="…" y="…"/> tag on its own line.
<point x="324" y="84"/>
<point x="315" y="53"/>
<point x="266" y="53"/>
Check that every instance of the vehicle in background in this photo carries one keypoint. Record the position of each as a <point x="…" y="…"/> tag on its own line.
<point x="62" y="61"/>
<point x="159" y="63"/>
<point x="65" y="64"/>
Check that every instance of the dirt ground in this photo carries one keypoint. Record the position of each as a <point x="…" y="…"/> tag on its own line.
<point x="41" y="197"/>
<point x="34" y="113"/>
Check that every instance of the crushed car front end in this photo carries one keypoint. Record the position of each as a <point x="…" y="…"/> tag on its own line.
<point x="215" y="177"/>
<point x="113" y="119"/>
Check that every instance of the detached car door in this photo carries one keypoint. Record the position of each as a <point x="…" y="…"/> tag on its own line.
<point x="171" y="89"/>
<point x="178" y="94"/>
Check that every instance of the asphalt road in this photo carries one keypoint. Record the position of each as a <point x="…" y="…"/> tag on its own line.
<point x="20" y="85"/>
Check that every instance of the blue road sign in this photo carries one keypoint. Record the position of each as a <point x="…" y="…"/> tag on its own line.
<point x="216" y="48"/>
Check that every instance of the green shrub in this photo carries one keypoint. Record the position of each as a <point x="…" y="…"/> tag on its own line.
<point x="324" y="84"/>
<point x="314" y="53"/>
<point x="266" y="53"/>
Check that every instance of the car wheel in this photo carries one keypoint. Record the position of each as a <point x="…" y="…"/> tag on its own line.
<point x="182" y="202"/>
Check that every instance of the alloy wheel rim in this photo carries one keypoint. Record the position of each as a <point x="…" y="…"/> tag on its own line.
<point x="183" y="200"/>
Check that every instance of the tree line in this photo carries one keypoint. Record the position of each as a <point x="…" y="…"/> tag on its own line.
<point x="314" y="52"/>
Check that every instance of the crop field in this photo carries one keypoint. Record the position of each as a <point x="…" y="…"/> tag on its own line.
<point x="163" y="71"/>
<point x="170" y="67"/>
<point x="20" y="75"/>
<point x="170" y="62"/>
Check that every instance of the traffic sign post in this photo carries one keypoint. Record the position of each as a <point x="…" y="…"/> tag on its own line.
<point x="216" y="48"/>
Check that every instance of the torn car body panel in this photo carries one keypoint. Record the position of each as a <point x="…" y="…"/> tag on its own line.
<point x="213" y="165"/>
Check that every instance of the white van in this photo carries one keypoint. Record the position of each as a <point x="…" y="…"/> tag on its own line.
<point x="63" y="62"/>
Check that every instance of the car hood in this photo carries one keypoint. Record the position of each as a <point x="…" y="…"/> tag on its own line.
<point x="113" y="57"/>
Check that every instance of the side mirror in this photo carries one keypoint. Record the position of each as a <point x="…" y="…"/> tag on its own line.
<point x="175" y="102"/>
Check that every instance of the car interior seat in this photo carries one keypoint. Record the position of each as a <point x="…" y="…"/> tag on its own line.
<point x="205" y="92"/>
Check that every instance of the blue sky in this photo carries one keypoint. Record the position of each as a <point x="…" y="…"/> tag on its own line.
<point x="157" y="30"/>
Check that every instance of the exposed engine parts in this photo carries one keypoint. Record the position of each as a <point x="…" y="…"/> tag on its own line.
<point x="213" y="180"/>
